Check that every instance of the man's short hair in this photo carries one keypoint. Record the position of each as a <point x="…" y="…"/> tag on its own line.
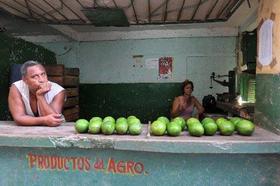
<point x="30" y="63"/>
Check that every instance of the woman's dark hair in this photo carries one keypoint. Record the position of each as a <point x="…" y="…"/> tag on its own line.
<point x="185" y="83"/>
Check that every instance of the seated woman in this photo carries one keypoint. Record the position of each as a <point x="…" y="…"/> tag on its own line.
<point x="186" y="105"/>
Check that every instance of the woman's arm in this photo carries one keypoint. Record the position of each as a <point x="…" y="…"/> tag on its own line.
<point x="198" y="106"/>
<point x="176" y="107"/>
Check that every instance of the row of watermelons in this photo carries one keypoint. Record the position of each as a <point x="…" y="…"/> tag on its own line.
<point x="162" y="125"/>
<point x="108" y="125"/>
<point x="207" y="126"/>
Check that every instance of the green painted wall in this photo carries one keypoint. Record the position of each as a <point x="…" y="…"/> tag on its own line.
<point x="37" y="166"/>
<point x="267" y="102"/>
<point x="147" y="101"/>
<point x="17" y="51"/>
<point x="243" y="88"/>
<point x="112" y="61"/>
<point x="111" y="85"/>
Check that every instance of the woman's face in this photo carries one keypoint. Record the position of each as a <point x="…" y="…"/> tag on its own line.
<point x="188" y="90"/>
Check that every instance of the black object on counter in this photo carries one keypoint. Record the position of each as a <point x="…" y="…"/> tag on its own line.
<point x="209" y="103"/>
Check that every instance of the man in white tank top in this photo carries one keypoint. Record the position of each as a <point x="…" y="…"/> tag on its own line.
<point x="34" y="100"/>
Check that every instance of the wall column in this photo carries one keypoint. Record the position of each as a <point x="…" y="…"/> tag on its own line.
<point x="268" y="66"/>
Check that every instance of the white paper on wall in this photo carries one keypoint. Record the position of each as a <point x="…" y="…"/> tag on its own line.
<point x="265" y="42"/>
<point x="151" y="63"/>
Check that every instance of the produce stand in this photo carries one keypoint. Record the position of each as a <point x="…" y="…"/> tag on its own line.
<point x="60" y="156"/>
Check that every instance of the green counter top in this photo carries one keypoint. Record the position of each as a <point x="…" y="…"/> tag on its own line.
<point x="59" y="156"/>
<point x="64" y="136"/>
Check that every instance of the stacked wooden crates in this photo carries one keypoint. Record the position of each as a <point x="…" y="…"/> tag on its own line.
<point x="69" y="79"/>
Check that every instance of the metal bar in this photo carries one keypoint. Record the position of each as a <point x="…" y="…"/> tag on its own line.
<point x="33" y="11"/>
<point x="115" y="4"/>
<point x="156" y="9"/>
<point x="211" y="10"/>
<point x="73" y="11"/>
<point x="34" y="4"/>
<point x="182" y="22"/>
<point x="165" y="12"/>
<point x="180" y="11"/>
<point x="28" y="8"/>
<point x="237" y="5"/>
<point x="232" y="5"/>
<point x="78" y="1"/>
<point x="149" y="11"/>
<point x="198" y="5"/>
<point x="249" y="4"/>
<point x="223" y="9"/>
<point x="134" y="11"/>
<point x="6" y="4"/>
<point x="56" y="10"/>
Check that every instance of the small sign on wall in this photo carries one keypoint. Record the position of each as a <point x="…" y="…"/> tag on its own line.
<point x="165" y="68"/>
<point x="138" y="61"/>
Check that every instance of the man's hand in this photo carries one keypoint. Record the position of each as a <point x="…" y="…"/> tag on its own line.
<point x="53" y="120"/>
<point x="43" y="88"/>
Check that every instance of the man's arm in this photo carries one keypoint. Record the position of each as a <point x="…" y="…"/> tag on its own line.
<point x="18" y="112"/>
<point x="55" y="107"/>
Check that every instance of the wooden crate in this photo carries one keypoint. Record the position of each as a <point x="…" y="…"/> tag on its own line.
<point x="69" y="79"/>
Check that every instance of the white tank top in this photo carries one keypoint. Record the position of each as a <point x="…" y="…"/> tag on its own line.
<point x="24" y="91"/>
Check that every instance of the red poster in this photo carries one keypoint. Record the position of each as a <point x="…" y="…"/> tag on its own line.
<point x="165" y="68"/>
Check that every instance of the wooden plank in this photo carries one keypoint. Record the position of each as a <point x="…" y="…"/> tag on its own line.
<point x="72" y="71"/>
<point x="56" y="79"/>
<point x="71" y="81"/>
<point x="70" y="102"/>
<point x="65" y="81"/>
<point x="71" y="114"/>
<point x="71" y="110"/>
<point x="72" y="117"/>
<point x="71" y="92"/>
<point x="54" y="70"/>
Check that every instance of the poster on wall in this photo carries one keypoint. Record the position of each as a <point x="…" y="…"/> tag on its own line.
<point x="165" y="68"/>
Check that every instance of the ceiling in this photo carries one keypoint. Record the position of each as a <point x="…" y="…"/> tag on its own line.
<point x="121" y="12"/>
<point x="35" y="17"/>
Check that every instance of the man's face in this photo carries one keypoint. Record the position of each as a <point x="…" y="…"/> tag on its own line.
<point x="35" y="75"/>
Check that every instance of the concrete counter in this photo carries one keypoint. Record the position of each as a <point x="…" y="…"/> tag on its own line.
<point x="262" y="141"/>
<point x="60" y="156"/>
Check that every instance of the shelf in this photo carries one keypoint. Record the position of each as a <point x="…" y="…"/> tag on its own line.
<point x="235" y="109"/>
